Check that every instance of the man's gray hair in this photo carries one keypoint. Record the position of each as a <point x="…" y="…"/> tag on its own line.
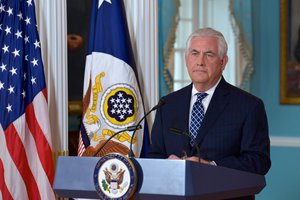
<point x="210" y="32"/>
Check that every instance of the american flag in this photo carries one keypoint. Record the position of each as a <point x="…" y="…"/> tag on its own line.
<point x="26" y="166"/>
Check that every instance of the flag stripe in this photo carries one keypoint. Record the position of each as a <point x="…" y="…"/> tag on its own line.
<point x="45" y="95"/>
<point x="35" y="164"/>
<point x="3" y="188"/>
<point x="80" y="146"/>
<point x="12" y="177"/>
<point x="40" y="107"/>
<point x="16" y="150"/>
<point x="36" y="168"/>
<point x="43" y="147"/>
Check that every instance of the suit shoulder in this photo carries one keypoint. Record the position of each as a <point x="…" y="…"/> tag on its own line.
<point x="179" y="93"/>
<point x="178" y="99"/>
<point x="243" y="95"/>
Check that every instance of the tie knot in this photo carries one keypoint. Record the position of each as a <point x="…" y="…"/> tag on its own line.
<point x="201" y="96"/>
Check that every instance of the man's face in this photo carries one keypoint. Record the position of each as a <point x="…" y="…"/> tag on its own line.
<point x="203" y="62"/>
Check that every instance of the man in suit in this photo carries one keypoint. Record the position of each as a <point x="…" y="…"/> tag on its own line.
<point x="231" y="128"/>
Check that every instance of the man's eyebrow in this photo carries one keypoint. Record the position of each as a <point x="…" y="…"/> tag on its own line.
<point x="206" y="51"/>
<point x="194" y="50"/>
<point x="209" y="51"/>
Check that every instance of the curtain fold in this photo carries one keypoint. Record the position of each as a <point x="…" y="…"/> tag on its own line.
<point x="241" y="20"/>
<point x="167" y="24"/>
<point x="51" y="21"/>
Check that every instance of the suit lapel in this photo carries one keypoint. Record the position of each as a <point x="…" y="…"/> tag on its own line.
<point x="215" y="108"/>
<point x="183" y="110"/>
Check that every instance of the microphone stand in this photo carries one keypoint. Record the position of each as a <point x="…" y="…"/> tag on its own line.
<point x="159" y="104"/>
<point x="130" y="128"/>
<point x="181" y="132"/>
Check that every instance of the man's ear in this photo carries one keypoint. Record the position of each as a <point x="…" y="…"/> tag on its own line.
<point x="224" y="62"/>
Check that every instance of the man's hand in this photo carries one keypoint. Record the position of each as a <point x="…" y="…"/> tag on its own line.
<point x="196" y="159"/>
<point x="174" y="157"/>
<point x="193" y="158"/>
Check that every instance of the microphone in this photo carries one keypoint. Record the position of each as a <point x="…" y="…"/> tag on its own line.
<point x="159" y="104"/>
<point x="129" y="128"/>
<point x="178" y="131"/>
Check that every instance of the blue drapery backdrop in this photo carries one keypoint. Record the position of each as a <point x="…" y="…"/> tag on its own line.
<point x="167" y="23"/>
<point x="241" y="16"/>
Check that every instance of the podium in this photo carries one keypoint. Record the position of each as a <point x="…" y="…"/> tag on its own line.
<point x="160" y="179"/>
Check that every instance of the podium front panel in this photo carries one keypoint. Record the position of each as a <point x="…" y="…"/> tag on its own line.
<point x="160" y="179"/>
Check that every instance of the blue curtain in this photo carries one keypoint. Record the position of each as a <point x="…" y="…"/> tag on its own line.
<point x="241" y="12"/>
<point x="167" y="22"/>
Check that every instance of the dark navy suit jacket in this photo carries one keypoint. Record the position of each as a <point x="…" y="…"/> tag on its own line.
<point x="234" y="132"/>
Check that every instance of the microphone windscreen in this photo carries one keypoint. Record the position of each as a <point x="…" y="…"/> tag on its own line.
<point x="159" y="104"/>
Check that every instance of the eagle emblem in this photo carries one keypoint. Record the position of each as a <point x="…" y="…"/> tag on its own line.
<point x="113" y="178"/>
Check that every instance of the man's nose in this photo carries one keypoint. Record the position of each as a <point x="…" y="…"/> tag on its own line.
<point x="200" y="60"/>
